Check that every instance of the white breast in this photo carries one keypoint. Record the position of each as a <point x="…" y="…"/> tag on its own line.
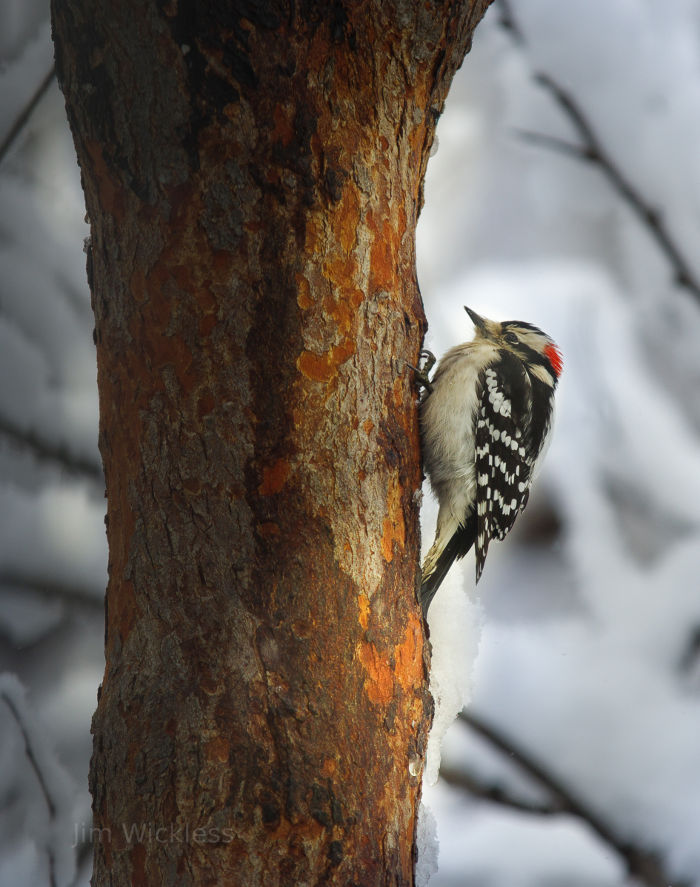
<point x="447" y="427"/>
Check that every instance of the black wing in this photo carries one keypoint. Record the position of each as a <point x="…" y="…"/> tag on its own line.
<point x="506" y="447"/>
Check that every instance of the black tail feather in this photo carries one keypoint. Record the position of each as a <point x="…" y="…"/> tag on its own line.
<point x="460" y="543"/>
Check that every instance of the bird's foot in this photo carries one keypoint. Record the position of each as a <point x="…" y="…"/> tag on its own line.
<point x="422" y="372"/>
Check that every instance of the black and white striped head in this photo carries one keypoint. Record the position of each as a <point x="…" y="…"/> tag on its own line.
<point x="527" y="342"/>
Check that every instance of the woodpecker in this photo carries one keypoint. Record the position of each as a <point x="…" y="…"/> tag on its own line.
<point x="485" y="420"/>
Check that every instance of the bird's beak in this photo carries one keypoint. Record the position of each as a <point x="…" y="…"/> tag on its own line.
<point x="478" y="321"/>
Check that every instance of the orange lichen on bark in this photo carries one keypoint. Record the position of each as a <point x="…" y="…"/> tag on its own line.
<point x="393" y="526"/>
<point x="383" y="261"/>
<point x="304" y="300"/>
<point x="342" y="309"/>
<point x="363" y="604"/>
<point x="345" y="220"/>
<point x="409" y="667"/>
<point x="322" y="367"/>
<point x="379" y="680"/>
<point x="274" y="478"/>
<point x="403" y="666"/>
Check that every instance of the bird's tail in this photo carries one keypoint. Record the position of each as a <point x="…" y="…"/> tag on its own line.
<point x="435" y="568"/>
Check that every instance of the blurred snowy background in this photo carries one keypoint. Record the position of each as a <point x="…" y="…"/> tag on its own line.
<point x="589" y="651"/>
<point x="587" y="621"/>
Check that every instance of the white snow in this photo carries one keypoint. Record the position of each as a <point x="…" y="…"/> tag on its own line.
<point x="454" y="621"/>
<point x="427" y="844"/>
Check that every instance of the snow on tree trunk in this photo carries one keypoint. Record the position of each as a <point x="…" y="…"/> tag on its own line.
<point x="253" y="175"/>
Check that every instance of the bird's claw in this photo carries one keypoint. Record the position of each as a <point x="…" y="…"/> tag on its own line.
<point x="422" y="372"/>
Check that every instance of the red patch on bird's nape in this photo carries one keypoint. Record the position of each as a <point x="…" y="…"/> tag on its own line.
<point x="553" y="355"/>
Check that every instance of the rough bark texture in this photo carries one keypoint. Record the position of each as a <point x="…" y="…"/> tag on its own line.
<point x="253" y="175"/>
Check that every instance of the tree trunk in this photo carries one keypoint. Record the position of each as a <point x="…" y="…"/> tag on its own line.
<point x="253" y="175"/>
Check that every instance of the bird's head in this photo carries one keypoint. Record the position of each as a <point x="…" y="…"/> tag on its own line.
<point x="525" y="340"/>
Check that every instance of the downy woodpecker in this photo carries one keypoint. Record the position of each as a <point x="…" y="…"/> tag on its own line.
<point x="484" y="422"/>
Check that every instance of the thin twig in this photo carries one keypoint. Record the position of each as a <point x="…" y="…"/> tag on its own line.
<point x="592" y="151"/>
<point x="641" y="863"/>
<point x="31" y="757"/>
<point x="26" y="113"/>
<point x="49" y="451"/>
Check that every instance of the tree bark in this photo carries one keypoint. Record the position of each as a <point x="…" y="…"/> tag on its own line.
<point x="253" y="176"/>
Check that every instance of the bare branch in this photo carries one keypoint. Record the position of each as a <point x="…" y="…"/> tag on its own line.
<point x="592" y="151"/>
<point x="31" y="757"/>
<point x="648" y="215"/>
<point x="26" y="113"/>
<point x="459" y="777"/>
<point x="641" y="863"/>
<point x="51" y="452"/>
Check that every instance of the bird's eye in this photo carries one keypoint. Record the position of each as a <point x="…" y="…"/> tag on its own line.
<point x="511" y="338"/>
